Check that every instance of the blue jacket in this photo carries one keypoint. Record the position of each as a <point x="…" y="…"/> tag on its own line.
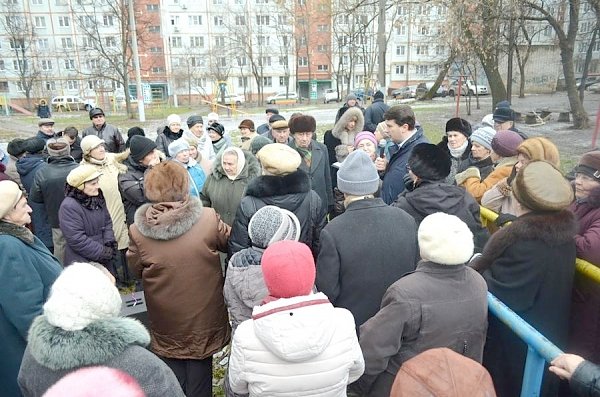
<point x="27" y="271"/>
<point x="197" y="177"/>
<point x="393" y="179"/>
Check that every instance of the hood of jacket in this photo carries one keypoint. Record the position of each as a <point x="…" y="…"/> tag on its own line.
<point x="295" y="329"/>
<point x="57" y="349"/>
<point x="251" y="167"/>
<point x="167" y="222"/>
<point x="432" y="197"/>
<point x="29" y="163"/>
<point x="338" y="130"/>
<point x="171" y="135"/>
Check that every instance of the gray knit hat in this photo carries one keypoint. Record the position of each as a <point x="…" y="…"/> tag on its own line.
<point x="177" y="146"/>
<point x="357" y="174"/>
<point x="270" y="224"/>
<point x="484" y="136"/>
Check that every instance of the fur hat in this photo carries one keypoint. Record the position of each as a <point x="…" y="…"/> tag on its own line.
<point x="167" y="181"/>
<point x="357" y="175"/>
<point x="270" y="224"/>
<point x="459" y="125"/>
<point x="278" y="159"/>
<point x="288" y="269"/>
<point x="173" y="119"/>
<point x="45" y="121"/>
<point x="96" y="112"/>
<point x="429" y="162"/>
<point x="275" y="117"/>
<point x="133" y="131"/>
<point x="216" y="127"/>
<point x="378" y="95"/>
<point x="302" y="123"/>
<point x="34" y="145"/>
<point x="364" y="135"/>
<point x="10" y="194"/>
<point x="140" y="146"/>
<point x="177" y="146"/>
<point x="272" y="110"/>
<point x="540" y="186"/>
<point x="442" y="372"/>
<point x="58" y="147"/>
<point x="89" y="143"/>
<point x="81" y="294"/>
<point x="82" y="174"/>
<point x="505" y="143"/>
<point x="538" y="148"/>
<point x="96" y="382"/>
<point x="258" y="143"/>
<point x="503" y="114"/>
<point x="16" y="147"/>
<point x="193" y="120"/>
<point x="279" y="125"/>
<point x="247" y="123"/>
<point x="484" y="136"/>
<point x="590" y="165"/>
<point x="445" y="239"/>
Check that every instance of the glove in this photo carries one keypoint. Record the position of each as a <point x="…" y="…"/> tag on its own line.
<point x="409" y="184"/>
<point x="503" y="219"/>
<point x="471" y="172"/>
<point x="107" y="254"/>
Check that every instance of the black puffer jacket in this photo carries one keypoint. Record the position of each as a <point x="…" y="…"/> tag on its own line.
<point x="291" y="192"/>
<point x="164" y="139"/>
<point x="49" y="186"/>
<point x="131" y="187"/>
<point x="431" y="197"/>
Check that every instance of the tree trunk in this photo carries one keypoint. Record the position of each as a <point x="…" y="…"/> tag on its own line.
<point x="580" y="117"/>
<point x="586" y="65"/>
<point x="495" y="79"/>
<point x="438" y="81"/>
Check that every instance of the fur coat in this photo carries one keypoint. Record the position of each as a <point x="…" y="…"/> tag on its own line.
<point x="116" y="343"/>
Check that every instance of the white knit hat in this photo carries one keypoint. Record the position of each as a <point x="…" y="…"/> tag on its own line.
<point x="81" y="295"/>
<point x="445" y="239"/>
<point x="172" y="119"/>
<point x="10" y="194"/>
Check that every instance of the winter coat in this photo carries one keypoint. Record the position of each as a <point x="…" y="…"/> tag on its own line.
<point x="374" y="114"/>
<point x="27" y="167"/>
<point x="584" y="338"/>
<point x="41" y="135"/>
<point x="455" y="162"/>
<point x="225" y="195"/>
<point x="431" y="197"/>
<point x="393" y="179"/>
<point x="174" y="250"/>
<point x="196" y="176"/>
<point x="49" y="186"/>
<point x="114" y="342"/>
<point x="113" y="139"/>
<point x="485" y="166"/>
<point x="291" y="192"/>
<point x="528" y="265"/>
<point x="165" y="138"/>
<point x="110" y="168"/>
<point x="27" y="271"/>
<point x="477" y="186"/>
<point x="296" y="346"/>
<point x="320" y="173"/>
<point x="131" y="188"/>
<point x="11" y="171"/>
<point x="86" y="226"/>
<point x="585" y="381"/>
<point x="76" y="151"/>
<point x="363" y="252"/>
<point x="43" y="111"/>
<point x="244" y="285"/>
<point x="435" y="306"/>
<point x="498" y="202"/>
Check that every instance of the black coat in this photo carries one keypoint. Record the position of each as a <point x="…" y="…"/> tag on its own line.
<point x="455" y="163"/>
<point x="113" y="139"/>
<point x="585" y="381"/>
<point x="49" y="186"/>
<point x="364" y="251"/>
<point x="320" y="173"/>
<point x="291" y="192"/>
<point x="374" y="114"/>
<point x="528" y="265"/>
<point x="431" y="197"/>
<point x="131" y="187"/>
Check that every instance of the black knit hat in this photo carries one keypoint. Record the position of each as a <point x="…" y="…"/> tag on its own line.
<point x="378" y="95"/>
<point x="140" y="146"/>
<point x="193" y="120"/>
<point x="429" y="162"/>
<point x="459" y="125"/>
<point x="216" y="127"/>
<point x="34" y="145"/>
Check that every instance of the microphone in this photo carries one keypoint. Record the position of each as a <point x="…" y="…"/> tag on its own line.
<point x="381" y="145"/>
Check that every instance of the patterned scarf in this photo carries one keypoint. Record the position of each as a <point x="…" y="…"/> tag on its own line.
<point x="306" y="154"/>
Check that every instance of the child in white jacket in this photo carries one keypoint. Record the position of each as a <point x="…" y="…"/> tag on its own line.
<point x="296" y="343"/>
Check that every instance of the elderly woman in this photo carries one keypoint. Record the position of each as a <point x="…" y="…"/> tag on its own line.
<point x="457" y="144"/>
<point x="171" y="132"/>
<point x="342" y="134"/>
<point x="81" y="327"/>
<point x="180" y="152"/>
<point x="174" y="248"/>
<point x="529" y="265"/>
<point x="27" y="270"/>
<point x="216" y="132"/>
<point x="481" y="151"/>
<point x="500" y="198"/>
<point x="85" y="220"/>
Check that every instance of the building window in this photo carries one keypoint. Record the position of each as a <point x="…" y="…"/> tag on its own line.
<point x="218" y="20"/>
<point x="400" y="50"/>
<point x="108" y="20"/>
<point x="3" y="86"/>
<point x="301" y="2"/>
<point x="155" y="49"/>
<point x="221" y="62"/>
<point x="282" y="19"/>
<point x="399" y="69"/>
<point x="243" y="81"/>
<point x="322" y="68"/>
<point x="424" y="30"/>
<point x="283" y="60"/>
<point x="302" y="41"/>
<point x="264" y="40"/>
<point x="46" y="64"/>
<point x="241" y="61"/>
<point x="66" y="42"/>
<point x="50" y="85"/>
<point x="87" y="21"/>
<point x="70" y="64"/>
<point x="110" y="41"/>
<point x="64" y="21"/>
<point x="175" y="42"/>
<point x="302" y="61"/>
<point x="422" y="50"/>
<point x="92" y="64"/>
<point x="87" y="42"/>
<point x="284" y="81"/>
<point x="197" y="41"/>
<point x="198" y="62"/>
<point x="240" y="20"/>
<point x="42" y="44"/>
<point x="154" y="29"/>
<point x="264" y="61"/>
<point x="72" y="85"/>
<point x="421" y="69"/>
<point x="262" y="1"/>
<point x="195" y="19"/>
<point x="151" y="7"/>
<point x="262" y="19"/>
<point x="37" y="2"/>
<point x="267" y="81"/>
<point x="219" y="41"/>
<point x="322" y="47"/>
<point x="200" y="82"/>
<point x="401" y="30"/>
<point x="2" y="67"/>
<point x="158" y="69"/>
<point x="345" y="60"/>
<point x="440" y="50"/>
<point x="40" y="22"/>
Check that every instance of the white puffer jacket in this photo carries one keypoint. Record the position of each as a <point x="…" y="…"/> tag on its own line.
<point x="301" y="346"/>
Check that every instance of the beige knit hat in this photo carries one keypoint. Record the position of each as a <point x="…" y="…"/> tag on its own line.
<point x="278" y="159"/>
<point x="10" y="194"/>
<point x="90" y="143"/>
<point x="539" y="186"/>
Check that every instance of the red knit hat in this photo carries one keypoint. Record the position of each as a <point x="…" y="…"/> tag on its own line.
<point x="288" y="269"/>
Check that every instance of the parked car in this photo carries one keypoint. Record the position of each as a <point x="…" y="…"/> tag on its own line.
<point x="331" y="95"/>
<point x="282" y="96"/>
<point x="590" y="80"/>
<point x="410" y="91"/>
<point x="467" y="88"/>
<point x="70" y="102"/>
<point x="595" y="88"/>
<point x="229" y="100"/>
<point x="423" y="88"/>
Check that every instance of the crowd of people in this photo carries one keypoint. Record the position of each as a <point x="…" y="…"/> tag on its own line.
<point x="355" y="266"/>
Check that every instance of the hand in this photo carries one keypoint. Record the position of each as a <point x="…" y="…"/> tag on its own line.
<point x="350" y="148"/>
<point x="380" y="164"/>
<point x="565" y="364"/>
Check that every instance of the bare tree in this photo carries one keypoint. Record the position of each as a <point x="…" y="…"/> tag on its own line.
<point x="188" y="67"/>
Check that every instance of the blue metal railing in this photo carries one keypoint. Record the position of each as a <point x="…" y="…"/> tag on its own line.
<point x="539" y="349"/>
